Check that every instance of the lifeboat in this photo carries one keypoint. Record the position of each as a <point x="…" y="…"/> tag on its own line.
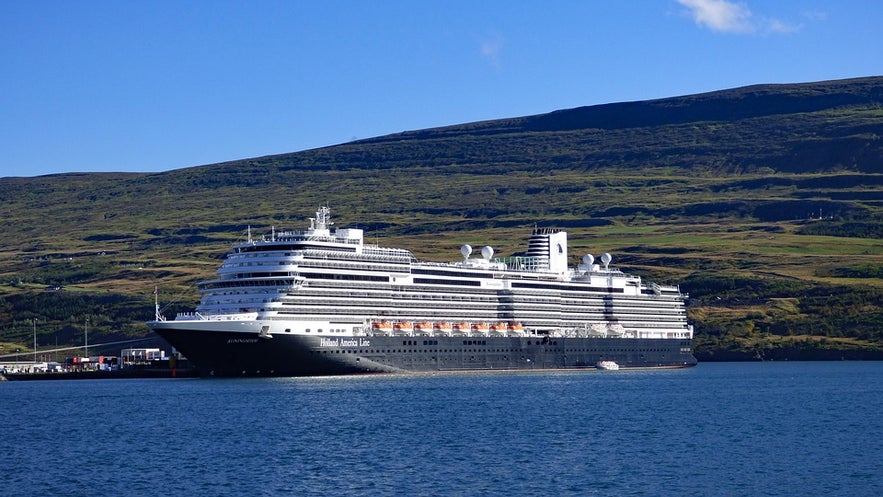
<point x="403" y="328"/>
<point x="615" y="329"/>
<point x="498" y="328"/>
<point x="423" y="329"/>
<point x="442" y="329"/>
<point x="381" y="327"/>
<point x="462" y="328"/>
<point x="598" y="329"/>
<point x="515" y="329"/>
<point x="480" y="328"/>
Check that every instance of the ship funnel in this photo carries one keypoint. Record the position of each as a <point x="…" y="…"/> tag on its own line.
<point x="549" y="247"/>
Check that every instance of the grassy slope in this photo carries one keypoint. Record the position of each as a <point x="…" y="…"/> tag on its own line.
<point x="714" y="191"/>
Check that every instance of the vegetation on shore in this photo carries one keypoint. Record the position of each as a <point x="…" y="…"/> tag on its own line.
<point x="764" y="203"/>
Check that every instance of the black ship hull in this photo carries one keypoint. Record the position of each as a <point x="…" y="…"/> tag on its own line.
<point x="247" y="354"/>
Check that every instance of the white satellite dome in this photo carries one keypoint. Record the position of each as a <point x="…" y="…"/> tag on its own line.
<point x="606" y="258"/>
<point x="466" y="250"/>
<point x="487" y="252"/>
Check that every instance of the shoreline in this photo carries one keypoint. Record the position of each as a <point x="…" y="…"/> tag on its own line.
<point x="126" y="373"/>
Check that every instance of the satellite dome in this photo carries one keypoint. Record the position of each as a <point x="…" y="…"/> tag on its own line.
<point x="588" y="259"/>
<point x="466" y="250"/>
<point x="487" y="252"/>
<point x="606" y="258"/>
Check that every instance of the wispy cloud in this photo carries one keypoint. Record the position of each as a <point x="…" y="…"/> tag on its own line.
<point x="815" y="15"/>
<point x="720" y="15"/>
<point x="777" y="26"/>
<point x="725" y="16"/>
<point x="491" y="48"/>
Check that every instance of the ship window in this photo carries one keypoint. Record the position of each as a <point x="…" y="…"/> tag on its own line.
<point x="308" y="330"/>
<point x="287" y="330"/>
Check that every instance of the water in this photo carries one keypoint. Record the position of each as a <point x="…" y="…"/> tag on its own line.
<point x="717" y="429"/>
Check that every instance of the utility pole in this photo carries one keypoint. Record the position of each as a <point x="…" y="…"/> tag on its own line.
<point x="87" y="338"/>
<point x="35" y="340"/>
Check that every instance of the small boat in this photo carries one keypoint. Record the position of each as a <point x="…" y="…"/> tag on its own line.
<point x="462" y="328"/>
<point x="615" y="329"/>
<point x="403" y="328"/>
<point x="515" y="329"/>
<point x="423" y="329"/>
<point x="607" y="366"/>
<point x="442" y="329"/>
<point x="498" y="329"/>
<point x="480" y="329"/>
<point x="381" y="328"/>
<point x="598" y="329"/>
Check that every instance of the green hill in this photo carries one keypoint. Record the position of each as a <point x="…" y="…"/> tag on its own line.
<point x="765" y="203"/>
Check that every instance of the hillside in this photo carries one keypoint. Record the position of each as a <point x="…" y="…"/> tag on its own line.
<point x="763" y="202"/>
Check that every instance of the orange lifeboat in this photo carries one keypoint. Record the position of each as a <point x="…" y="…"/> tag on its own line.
<point x="515" y="329"/>
<point x="461" y="328"/>
<point x="443" y="328"/>
<point x="381" y="327"/>
<point x="403" y="328"/>
<point x="423" y="329"/>
<point x="498" y="328"/>
<point x="480" y="328"/>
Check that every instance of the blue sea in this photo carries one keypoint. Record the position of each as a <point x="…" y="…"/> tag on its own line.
<point x="783" y="428"/>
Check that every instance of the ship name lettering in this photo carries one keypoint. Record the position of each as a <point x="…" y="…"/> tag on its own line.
<point x="242" y="340"/>
<point x="344" y="342"/>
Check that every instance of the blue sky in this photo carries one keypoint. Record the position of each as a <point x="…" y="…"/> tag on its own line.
<point x="139" y="86"/>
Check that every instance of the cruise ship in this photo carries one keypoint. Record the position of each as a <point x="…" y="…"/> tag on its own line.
<point x="321" y="301"/>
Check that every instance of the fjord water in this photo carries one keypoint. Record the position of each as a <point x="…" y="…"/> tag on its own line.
<point x="716" y="429"/>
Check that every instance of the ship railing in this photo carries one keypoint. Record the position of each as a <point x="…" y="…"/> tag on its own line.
<point x="582" y="273"/>
<point x="190" y="316"/>
<point x="522" y="263"/>
<point x="307" y="236"/>
<point x="379" y="254"/>
<point x="195" y="316"/>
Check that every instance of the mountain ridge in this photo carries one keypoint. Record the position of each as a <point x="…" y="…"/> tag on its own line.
<point x="778" y="188"/>
<point x="720" y="105"/>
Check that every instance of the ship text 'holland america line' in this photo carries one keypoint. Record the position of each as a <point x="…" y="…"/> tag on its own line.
<point x="323" y="302"/>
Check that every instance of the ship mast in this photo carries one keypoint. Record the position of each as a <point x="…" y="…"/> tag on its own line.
<point x="157" y="315"/>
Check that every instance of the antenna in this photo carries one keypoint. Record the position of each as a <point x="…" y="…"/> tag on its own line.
<point x="157" y="316"/>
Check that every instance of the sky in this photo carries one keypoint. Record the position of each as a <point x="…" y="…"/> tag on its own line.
<point x="149" y="86"/>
